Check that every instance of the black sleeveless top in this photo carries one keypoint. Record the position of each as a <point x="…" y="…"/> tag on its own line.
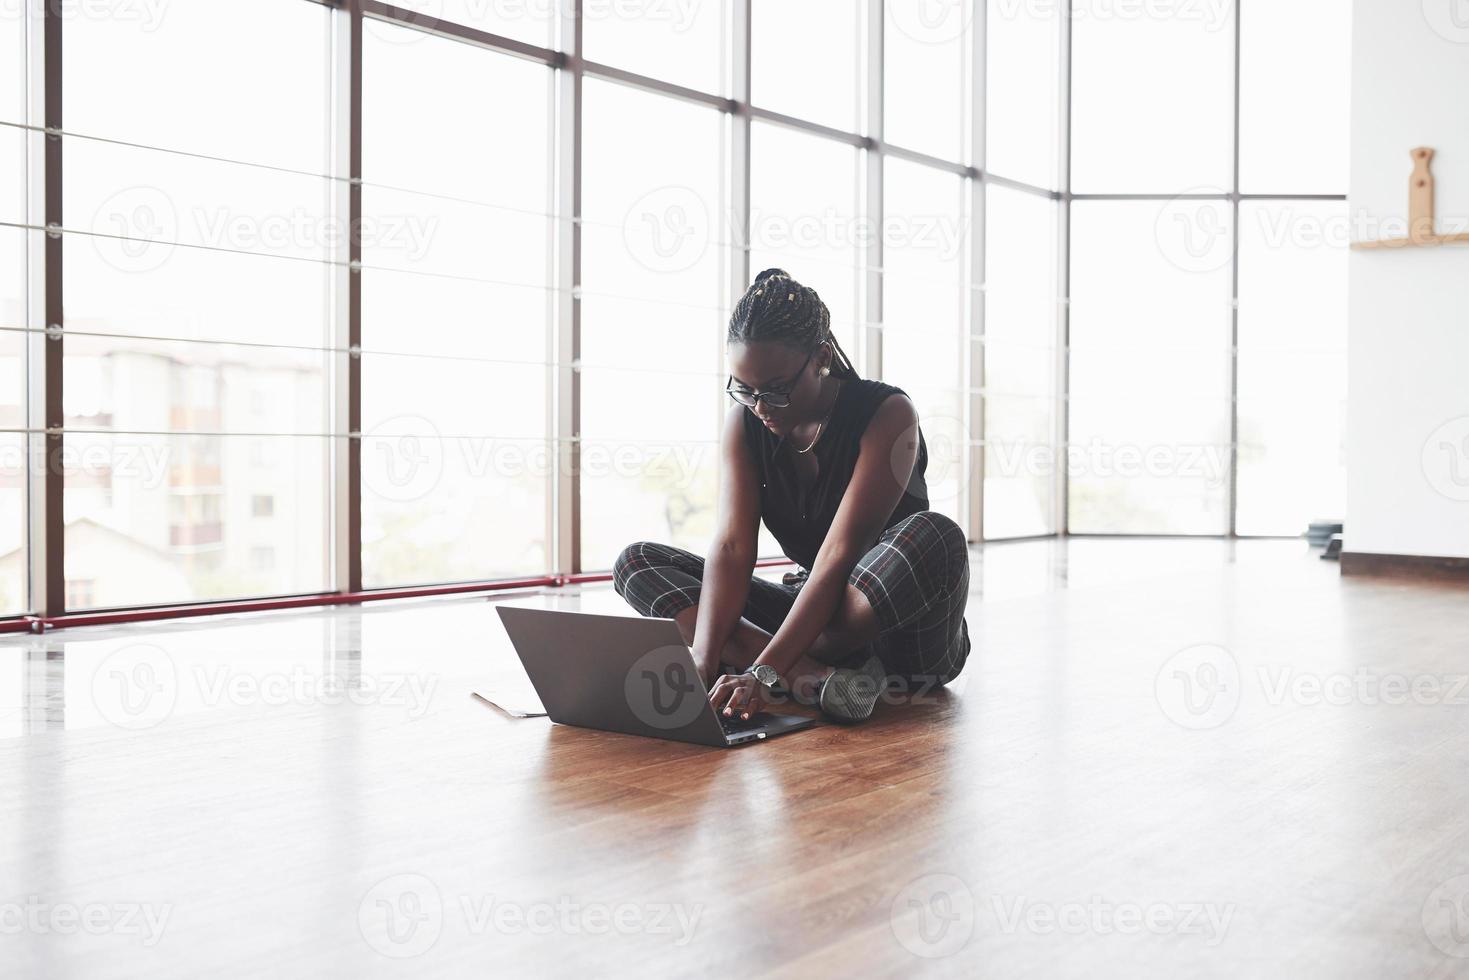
<point x="800" y="525"/>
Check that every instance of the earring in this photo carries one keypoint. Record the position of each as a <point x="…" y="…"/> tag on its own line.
<point x="825" y="371"/>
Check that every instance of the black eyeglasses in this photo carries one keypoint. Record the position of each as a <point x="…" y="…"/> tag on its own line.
<point x="773" y="397"/>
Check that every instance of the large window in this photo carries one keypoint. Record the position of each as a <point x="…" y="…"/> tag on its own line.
<point x="14" y="318"/>
<point x="925" y="331"/>
<point x="1023" y="45"/>
<point x="927" y="103"/>
<point x="1019" y="364"/>
<point x="1152" y="88"/>
<point x="1149" y="393"/>
<point x="514" y="308"/>
<point x="194" y="373"/>
<point x="13" y="439"/>
<point x="456" y="306"/>
<point x="1292" y="364"/>
<point x="1211" y="290"/>
<point x="784" y="59"/>
<point x="653" y="224"/>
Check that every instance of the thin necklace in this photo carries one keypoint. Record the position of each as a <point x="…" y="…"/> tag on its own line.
<point x="822" y="426"/>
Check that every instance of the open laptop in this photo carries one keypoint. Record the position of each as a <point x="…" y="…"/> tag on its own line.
<point x="631" y="674"/>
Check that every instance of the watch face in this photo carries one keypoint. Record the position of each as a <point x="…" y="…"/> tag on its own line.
<point x="765" y="674"/>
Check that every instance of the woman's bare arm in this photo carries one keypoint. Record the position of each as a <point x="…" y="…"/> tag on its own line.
<point x="731" y="559"/>
<point x="889" y="451"/>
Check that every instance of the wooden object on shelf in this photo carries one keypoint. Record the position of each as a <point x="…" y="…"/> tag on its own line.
<point x="1421" y="226"/>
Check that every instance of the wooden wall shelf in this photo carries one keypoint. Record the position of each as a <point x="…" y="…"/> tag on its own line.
<point x="1420" y="210"/>
<point x="1460" y="238"/>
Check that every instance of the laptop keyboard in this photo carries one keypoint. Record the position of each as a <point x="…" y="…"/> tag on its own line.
<point x="734" y="725"/>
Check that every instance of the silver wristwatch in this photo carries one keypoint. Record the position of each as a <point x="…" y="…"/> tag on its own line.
<point x="765" y="674"/>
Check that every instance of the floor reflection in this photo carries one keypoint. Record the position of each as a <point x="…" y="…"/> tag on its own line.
<point x="394" y="654"/>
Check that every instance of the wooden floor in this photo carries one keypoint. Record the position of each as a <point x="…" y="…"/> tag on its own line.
<point x="1168" y="758"/>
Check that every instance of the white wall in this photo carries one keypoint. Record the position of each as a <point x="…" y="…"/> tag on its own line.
<point x="1408" y="333"/>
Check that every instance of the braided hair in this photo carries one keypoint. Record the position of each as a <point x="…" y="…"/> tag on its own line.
<point x="776" y="307"/>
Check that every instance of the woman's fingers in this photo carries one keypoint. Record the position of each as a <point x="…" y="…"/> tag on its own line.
<point x="740" y="695"/>
<point x="723" y="689"/>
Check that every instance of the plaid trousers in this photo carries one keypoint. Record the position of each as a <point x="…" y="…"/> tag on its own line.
<point x="916" y="578"/>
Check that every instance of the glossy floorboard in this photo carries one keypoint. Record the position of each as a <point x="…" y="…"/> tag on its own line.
<point x="1166" y="758"/>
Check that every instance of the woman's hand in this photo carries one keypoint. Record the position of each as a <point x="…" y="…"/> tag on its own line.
<point x="738" y="694"/>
